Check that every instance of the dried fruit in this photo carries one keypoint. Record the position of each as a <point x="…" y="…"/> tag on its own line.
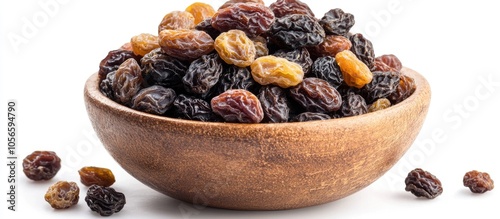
<point x="176" y="20"/>
<point x="380" y="104"/>
<point x="186" y="44"/>
<point x="391" y="61"/>
<point x="96" y="176"/>
<point x="193" y="108"/>
<point x="274" y="104"/>
<point x="356" y="73"/>
<point x="128" y="80"/>
<point x="251" y="18"/>
<point x="326" y="68"/>
<point x="282" y="8"/>
<point x="154" y="99"/>
<point x="234" y="77"/>
<point x="159" y="68"/>
<point x="378" y="65"/>
<point x="232" y="2"/>
<point x="310" y="116"/>
<point x="299" y="56"/>
<point x="62" y="195"/>
<point x="106" y="85"/>
<point x="363" y="49"/>
<point x="337" y="22"/>
<point x="382" y="85"/>
<point x="478" y="182"/>
<point x="353" y="105"/>
<point x="235" y="48"/>
<point x="296" y="31"/>
<point x="316" y="95"/>
<point x="144" y="43"/>
<point x="41" y="165"/>
<point x="238" y="106"/>
<point x="104" y="200"/>
<point x="206" y="26"/>
<point x="404" y="89"/>
<point x="331" y="46"/>
<point x="113" y="60"/>
<point x="260" y="46"/>
<point x="278" y="71"/>
<point x="200" y="11"/>
<point x="203" y="74"/>
<point x="423" y="184"/>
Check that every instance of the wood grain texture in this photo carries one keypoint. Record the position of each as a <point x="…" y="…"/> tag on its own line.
<point x="257" y="166"/>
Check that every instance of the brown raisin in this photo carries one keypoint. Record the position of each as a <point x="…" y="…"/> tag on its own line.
<point x="380" y="104"/>
<point x="296" y="31"/>
<point x="62" y="195"/>
<point x="330" y="46"/>
<point x="41" y="165"/>
<point x="176" y="20"/>
<point x="356" y="73"/>
<point x="203" y="74"/>
<point x="316" y="95"/>
<point x="206" y="26"/>
<point x="155" y="99"/>
<point x="235" y="48"/>
<point x="337" y="22"/>
<point x="238" y="105"/>
<point x="186" y="44"/>
<point x="232" y="2"/>
<point x="96" y="176"/>
<point x="423" y="184"/>
<point x="278" y="71"/>
<point x="478" y="182"/>
<point x="144" y="43"/>
<point x="404" y="89"/>
<point x="104" y="200"/>
<point x="274" y="104"/>
<point x="282" y="8"/>
<point x="158" y="68"/>
<point x="391" y="61"/>
<point x="113" y="60"/>
<point x="127" y="46"/>
<point x="127" y="82"/>
<point x="200" y="11"/>
<point x="378" y="65"/>
<point x="253" y="19"/>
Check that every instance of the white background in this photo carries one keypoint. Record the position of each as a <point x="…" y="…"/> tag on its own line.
<point x="453" y="44"/>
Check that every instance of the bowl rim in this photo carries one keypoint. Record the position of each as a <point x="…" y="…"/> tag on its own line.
<point x="422" y="91"/>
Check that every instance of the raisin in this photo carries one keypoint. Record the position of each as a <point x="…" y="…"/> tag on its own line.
<point x="363" y="49"/>
<point x="154" y="99"/>
<point x="235" y="48"/>
<point x="330" y="46"/>
<point x="62" y="195"/>
<point x="378" y="65"/>
<point x="106" y="85"/>
<point x="186" y="44"/>
<point x="316" y="95"/>
<point x="353" y="105"/>
<point x="382" y="85"/>
<point x="260" y="46"/>
<point x="337" y="22"/>
<point x="274" y="104"/>
<point x="128" y="80"/>
<point x="238" y="106"/>
<point x="176" y="20"/>
<point x="104" y="200"/>
<point x="296" y="31"/>
<point x="251" y="18"/>
<point x="326" y="68"/>
<point x="391" y="61"/>
<point x="380" y="104"/>
<point x="232" y="2"/>
<point x="127" y="46"/>
<point x="200" y="11"/>
<point x="356" y="73"/>
<point x="282" y="8"/>
<point x="162" y="69"/>
<point x="404" y="89"/>
<point x="113" y="60"/>
<point x="144" y="43"/>
<point x="206" y="26"/>
<point x="234" y="77"/>
<point x="299" y="56"/>
<point x="478" y="182"/>
<point x="41" y="165"/>
<point x="423" y="184"/>
<point x="310" y="116"/>
<point x="203" y="74"/>
<point x="278" y="71"/>
<point x="192" y="108"/>
<point x="96" y="176"/>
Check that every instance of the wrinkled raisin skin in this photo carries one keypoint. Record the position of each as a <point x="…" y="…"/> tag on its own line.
<point x="127" y="82"/>
<point x="296" y="31"/>
<point x="382" y="85"/>
<point x="106" y="85"/>
<point x="326" y="68"/>
<point x="192" y="108"/>
<point x="299" y="56"/>
<point x="404" y="89"/>
<point x="363" y="49"/>
<point x="206" y="26"/>
<point x="232" y="2"/>
<point x="41" y="165"/>
<point x="113" y="60"/>
<point x="380" y="104"/>
<point x="316" y="95"/>
<point x="353" y="105"/>
<point x="310" y="116"/>
<point x="234" y="77"/>
<point x="282" y="8"/>
<point x="186" y="45"/>
<point x="235" y="48"/>
<point x="274" y="104"/>
<point x="478" y="182"/>
<point x="96" y="176"/>
<point x="203" y="74"/>
<point x="277" y="71"/>
<point x="62" y="195"/>
<point x="200" y="11"/>
<point x="330" y="46"/>
<point x="423" y="184"/>
<point x="391" y="61"/>
<point x="176" y="20"/>
<point x="238" y="106"/>
<point x="143" y="43"/>
<point x="355" y="72"/>
<point x="251" y="18"/>
<point x="104" y="200"/>
<point x="159" y="68"/>
<point x="154" y="99"/>
<point x="337" y="22"/>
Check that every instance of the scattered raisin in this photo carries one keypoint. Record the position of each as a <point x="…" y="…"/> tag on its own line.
<point x="176" y="20"/>
<point x="234" y="77"/>
<point x="363" y="49"/>
<point x="296" y="31"/>
<point x="274" y="104"/>
<point x="154" y="99"/>
<point x="235" y="48"/>
<point x="203" y="74"/>
<point x="232" y="2"/>
<point x="62" y="195"/>
<point x="251" y="18"/>
<point x="200" y="11"/>
<point x="380" y="104"/>
<point x="478" y="182"/>
<point x="104" y="200"/>
<point x="404" y="89"/>
<point x="326" y="68"/>
<point x="186" y="44"/>
<point x="423" y="184"/>
<point x="193" y="108"/>
<point x="206" y="26"/>
<point x="382" y="85"/>
<point x="356" y="73"/>
<point x="391" y="61"/>
<point x="278" y="71"/>
<point x="128" y="80"/>
<point x="144" y="43"/>
<point x="96" y="176"/>
<point x="41" y="165"/>
<point x="337" y="22"/>
<point x="158" y="68"/>
<point x="316" y="95"/>
<point x="331" y="46"/>
<point x="282" y="8"/>
<point x="310" y="116"/>
<point x="113" y="60"/>
<point x="300" y="56"/>
<point x="353" y="105"/>
<point x="238" y="106"/>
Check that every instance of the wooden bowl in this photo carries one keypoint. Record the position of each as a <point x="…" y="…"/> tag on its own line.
<point x="257" y="166"/>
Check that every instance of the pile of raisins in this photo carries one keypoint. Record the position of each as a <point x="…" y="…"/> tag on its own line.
<point x="246" y="62"/>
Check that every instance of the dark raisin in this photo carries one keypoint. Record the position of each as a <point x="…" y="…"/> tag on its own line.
<point x="327" y="69"/>
<point x="62" y="195"/>
<point x="155" y="100"/>
<point x="206" y="26"/>
<point x="238" y="105"/>
<point x="128" y="80"/>
<point x="104" y="200"/>
<point x="232" y="2"/>
<point x="41" y="165"/>
<point x="353" y="105"/>
<point x="96" y="176"/>
<point x="405" y="88"/>
<point x="203" y="74"/>
<point x="106" y="85"/>
<point x="337" y="22"/>
<point x="382" y="85"/>
<point x="300" y="56"/>
<point x="316" y="95"/>
<point x="363" y="49"/>
<point x="478" y="182"/>
<point x="192" y="108"/>
<point x="260" y="44"/>
<point x="296" y="31"/>
<point x="274" y="104"/>
<point x="162" y="69"/>
<point x="234" y="77"/>
<point x="423" y="184"/>
<point x="310" y="116"/>
<point x="113" y="60"/>
<point x="282" y="8"/>
<point x="251" y="18"/>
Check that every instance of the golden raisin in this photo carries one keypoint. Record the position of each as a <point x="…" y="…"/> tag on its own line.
<point x="144" y="43"/>
<point x="62" y="195"/>
<point x="200" y="11"/>
<point x="356" y="73"/>
<point x="96" y="176"/>
<point x="234" y="47"/>
<point x="176" y="20"/>
<point x="379" y="104"/>
<point x="278" y="71"/>
<point x="186" y="44"/>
